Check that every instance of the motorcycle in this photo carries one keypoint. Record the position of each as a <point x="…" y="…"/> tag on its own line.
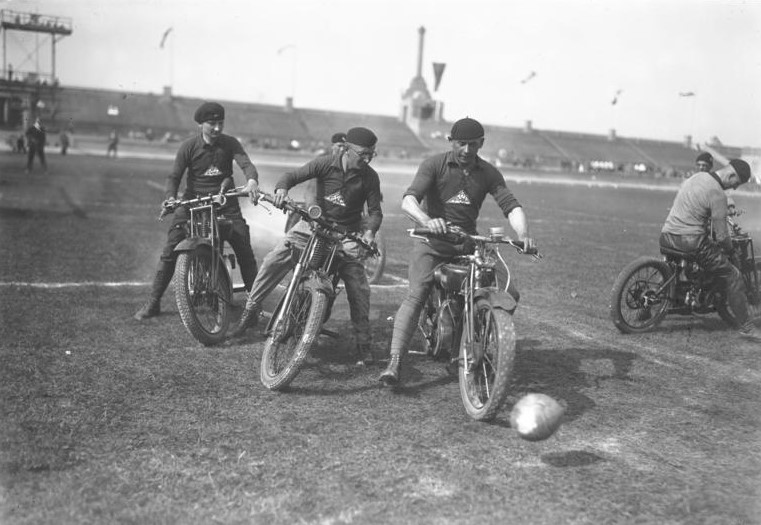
<point x="374" y="266"/>
<point x="649" y="288"/>
<point x="299" y="317"/>
<point x="468" y="319"/>
<point x="203" y="281"/>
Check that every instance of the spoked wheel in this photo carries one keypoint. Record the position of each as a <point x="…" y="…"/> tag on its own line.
<point x="374" y="266"/>
<point x="289" y="342"/>
<point x="751" y="277"/>
<point x="640" y="297"/>
<point x="485" y="365"/>
<point x="202" y="298"/>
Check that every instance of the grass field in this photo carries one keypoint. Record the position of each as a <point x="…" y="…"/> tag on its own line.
<point x="108" y="420"/>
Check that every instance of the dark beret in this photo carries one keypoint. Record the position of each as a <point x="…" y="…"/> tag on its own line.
<point x="209" y="111"/>
<point x="741" y="168"/>
<point x="466" y="129"/>
<point x="705" y="157"/>
<point x="361" y="137"/>
<point x="338" y="137"/>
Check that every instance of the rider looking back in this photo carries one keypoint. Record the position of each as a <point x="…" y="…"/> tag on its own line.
<point x="448" y="188"/>
<point x="699" y="206"/>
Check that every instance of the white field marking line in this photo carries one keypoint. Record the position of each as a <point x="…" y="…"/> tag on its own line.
<point x="154" y="184"/>
<point x="110" y="284"/>
<point x="653" y="353"/>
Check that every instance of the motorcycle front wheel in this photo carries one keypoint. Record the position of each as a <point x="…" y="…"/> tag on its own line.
<point x="486" y="364"/>
<point x="203" y="299"/>
<point x="290" y="340"/>
<point x="638" y="300"/>
<point x="751" y="277"/>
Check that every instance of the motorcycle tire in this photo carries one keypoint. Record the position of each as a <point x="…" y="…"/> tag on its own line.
<point x="485" y="377"/>
<point x="752" y="293"/>
<point x="288" y="344"/>
<point x="203" y="305"/>
<point x="636" y="286"/>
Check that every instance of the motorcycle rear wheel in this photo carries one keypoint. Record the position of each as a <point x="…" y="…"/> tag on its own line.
<point x="635" y="304"/>
<point x="484" y="382"/>
<point x="202" y="303"/>
<point x="288" y="345"/>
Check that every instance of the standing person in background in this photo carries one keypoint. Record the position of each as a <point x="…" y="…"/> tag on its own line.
<point x="64" y="138"/>
<point x="448" y="189"/>
<point x="337" y="142"/>
<point x="35" y="140"/>
<point x="113" y="143"/>
<point x="704" y="162"/>
<point x="208" y="159"/>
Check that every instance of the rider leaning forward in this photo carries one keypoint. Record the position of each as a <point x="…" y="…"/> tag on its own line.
<point x="449" y="188"/>
<point x="345" y="182"/>
<point x="208" y="159"/>
<point x="699" y="205"/>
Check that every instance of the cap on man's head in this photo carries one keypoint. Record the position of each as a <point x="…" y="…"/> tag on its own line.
<point x="209" y="111"/>
<point x="361" y="137"/>
<point x="338" y="137"/>
<point x="741" y="168"/>
<point x="705" y="157"/>
<point x="467" y="129"/>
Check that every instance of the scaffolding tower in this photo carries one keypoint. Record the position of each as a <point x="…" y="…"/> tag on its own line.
<point x="55" y="27"/>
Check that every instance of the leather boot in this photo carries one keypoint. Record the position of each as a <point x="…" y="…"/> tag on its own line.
<point x="391" y="374"/>
<point x="248" y="319"/>
<point x="364" y="355"/>
<point x="750" y="332"/>
<point x="160" y="283"/>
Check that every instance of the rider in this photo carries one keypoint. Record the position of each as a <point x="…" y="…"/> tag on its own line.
<point x="453" y="186"/>
<point x="345" y="182"/>
<point x="701" y="203"/>
<point x="208" y="159"/>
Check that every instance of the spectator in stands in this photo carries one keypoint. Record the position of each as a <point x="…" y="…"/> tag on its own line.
<point x="113" y="143"/>
<point x="208" y="159"/>
<point x="345" y="183"/>
<point x="448" y="190"/>
<point x="704" y="162"/>
<point x="36" y="137"/>
<point x="700" y="202"/>
<point x="20" y="144"/>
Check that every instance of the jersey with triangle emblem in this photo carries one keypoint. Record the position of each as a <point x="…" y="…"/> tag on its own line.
<point x="460" y="198"/>
<point x="336" y="198"/>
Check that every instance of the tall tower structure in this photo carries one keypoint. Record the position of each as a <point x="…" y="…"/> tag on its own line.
<point x="417" y="104"/>
<point x="29" y="89"/>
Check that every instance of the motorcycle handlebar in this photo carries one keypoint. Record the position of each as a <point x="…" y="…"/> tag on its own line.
<point x="458" y="234"/>
<point x="219" y="199"/>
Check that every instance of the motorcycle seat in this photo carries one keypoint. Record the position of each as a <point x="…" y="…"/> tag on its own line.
<point x="673" y="252"/>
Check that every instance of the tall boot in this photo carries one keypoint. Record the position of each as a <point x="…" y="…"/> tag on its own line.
<point x="393" y="371"/>
<point x="160" y="283"/>
<point x="248" y="319"/>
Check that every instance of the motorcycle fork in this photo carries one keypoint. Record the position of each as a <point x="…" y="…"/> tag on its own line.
<point x="473" y="350"/>
<point x="298" y="272"/>
<point x="216" y="244"/>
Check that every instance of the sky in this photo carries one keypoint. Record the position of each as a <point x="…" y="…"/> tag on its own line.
<point x="556" y="63"/>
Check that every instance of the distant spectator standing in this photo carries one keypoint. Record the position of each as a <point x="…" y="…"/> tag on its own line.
<point x="35" y="140"/>
<point x="337" y="142"/>
<point x="64" y="139"/>
<point x="20" y="144"/>
<point x="113" y="143"/>
<point x="704" y="162"/>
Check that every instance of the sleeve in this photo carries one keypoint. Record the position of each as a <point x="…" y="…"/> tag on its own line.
<point x="374" y="199"/>
<point x="310" y="170"/>
<point x="504" y="197"/>
<point x="242" y="159"/>
<point x="178" y="170"/>
<point x="718" y="205"/>
<point x="424" y="179"/>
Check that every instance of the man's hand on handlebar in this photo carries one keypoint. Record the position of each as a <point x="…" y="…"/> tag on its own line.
<point x="529" y="246"/>
<point x="281" y="194"/>
<point x="252" y="188"/>
<point x="437" y="226"/>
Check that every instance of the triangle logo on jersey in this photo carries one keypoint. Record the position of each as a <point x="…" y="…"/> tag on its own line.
<point x="460" y="198"/>
<point x="213" y="171"/>
<point x="336" y="198"/>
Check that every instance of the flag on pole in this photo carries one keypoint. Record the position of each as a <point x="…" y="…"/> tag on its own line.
<point x="529" y="77"/>
<point x="164" y="37"/>
<point x="438" y="71"/>
<point x="615" y="97"/>
<point x="686" y="94"/>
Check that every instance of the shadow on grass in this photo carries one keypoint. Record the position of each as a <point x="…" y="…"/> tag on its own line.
<point x="571" y="458"/>
<point x="564" y="373"/>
